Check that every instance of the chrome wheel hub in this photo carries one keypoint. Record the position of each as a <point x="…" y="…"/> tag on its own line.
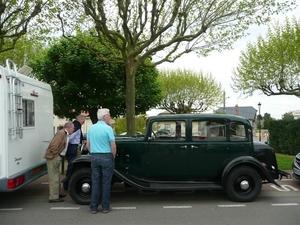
<point x="244" y="185"/>
<point x="86" y="188"/>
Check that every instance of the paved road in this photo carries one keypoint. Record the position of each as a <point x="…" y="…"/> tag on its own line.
<point x="276" y="206"/>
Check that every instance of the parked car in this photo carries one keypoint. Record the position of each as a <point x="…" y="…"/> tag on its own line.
<point x="214" y="152"/>
<point x="136" y="133"/>
<point x="296" y="167"/>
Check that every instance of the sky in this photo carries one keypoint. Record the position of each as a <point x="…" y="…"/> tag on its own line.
<point x="221" y="64"/>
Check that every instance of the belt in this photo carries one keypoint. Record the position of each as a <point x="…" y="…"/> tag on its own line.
<point x="101" y="153"/>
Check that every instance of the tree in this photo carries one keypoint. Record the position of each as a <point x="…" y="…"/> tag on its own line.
<point x="80" y="81"/>
<point x="17" y="18"/>
<point x="185" y="91"/>
<point x="272" y="64"/>
<point x="165" y="30"/>
<point x="267" y="119"/>
<point x="288" y="116"/>
<point x="26" y="49"/>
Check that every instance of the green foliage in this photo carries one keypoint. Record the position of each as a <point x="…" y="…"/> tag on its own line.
<point x="288" y="116"/>
<point x="26" y="50"/>
<point x="81" y="81"/>
<point x="185" y="91"/>
<point x="284" y="136"/>
<point x="139" y="120"/>
<point x="272" y="64"/>
<point x="267" y="119"/>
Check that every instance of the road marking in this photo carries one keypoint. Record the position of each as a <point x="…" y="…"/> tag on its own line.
<point x="284" y="187"/>
<point x="123" y="207"/>
<point x="177" y="207"/>
<point x="59" y="208"/>
<point x="285" y="204"/>
<point x="11" y="209"/>
<point x="228" y="206"/>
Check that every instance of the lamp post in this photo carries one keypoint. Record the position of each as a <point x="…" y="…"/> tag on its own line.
<point x="259" y="126"/>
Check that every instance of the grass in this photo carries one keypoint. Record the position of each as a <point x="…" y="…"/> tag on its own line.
<point x="284" y="161"/>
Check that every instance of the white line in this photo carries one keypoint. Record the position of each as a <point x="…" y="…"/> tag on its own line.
<point x="59" y="208"/>
<point x="11" y="209"/>
<point x="285" y="204"/>
<point x="123" y="207"/>
<point x="228" y="206"/>
<point x="178" y="207"/>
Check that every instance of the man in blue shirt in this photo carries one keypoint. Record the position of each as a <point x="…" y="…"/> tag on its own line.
<point x="102" y="146"/>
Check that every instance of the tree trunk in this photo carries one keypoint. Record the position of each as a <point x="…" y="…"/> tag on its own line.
<point x="93" y="115"/>
<point x="131" y="69"/>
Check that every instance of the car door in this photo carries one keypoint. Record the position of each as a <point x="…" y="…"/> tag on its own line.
<point x="208" y="149"/>
<point x="167" y="155"/>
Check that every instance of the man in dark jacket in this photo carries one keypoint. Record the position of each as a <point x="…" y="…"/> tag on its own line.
<point x="74" y="141"/>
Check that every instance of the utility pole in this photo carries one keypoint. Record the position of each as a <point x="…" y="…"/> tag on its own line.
<point x="224" y="101"/>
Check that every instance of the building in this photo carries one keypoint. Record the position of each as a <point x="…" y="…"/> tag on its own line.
<point x="247" y="112"/>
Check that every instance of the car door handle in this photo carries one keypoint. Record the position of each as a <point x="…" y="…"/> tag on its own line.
<point x="184" y="146"/>
<point x="193" y="146"/>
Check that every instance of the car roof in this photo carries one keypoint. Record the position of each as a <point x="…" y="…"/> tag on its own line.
<point x="199" y="116"/>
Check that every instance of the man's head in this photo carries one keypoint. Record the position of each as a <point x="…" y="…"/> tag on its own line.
<point x="69" y="127"/>
<point x="104" y="115"/>
<point x="80" y="119"/>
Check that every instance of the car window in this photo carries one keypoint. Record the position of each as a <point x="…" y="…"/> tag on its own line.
<point x="237" y="131"/>
<point x="168" y="130"/>
<point x="208" y="130"/>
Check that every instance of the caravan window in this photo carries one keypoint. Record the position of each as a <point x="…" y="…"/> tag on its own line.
<point x="28" y="113"/>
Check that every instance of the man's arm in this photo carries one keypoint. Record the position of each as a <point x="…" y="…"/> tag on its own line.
<point x="88" y="145"/>
<point x="113" y="148"/>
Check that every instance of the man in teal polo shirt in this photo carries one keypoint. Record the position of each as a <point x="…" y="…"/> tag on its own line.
<point x="102" y="146"/>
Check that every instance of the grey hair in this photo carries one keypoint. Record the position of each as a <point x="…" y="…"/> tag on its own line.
<point x="102" y="112"/>
<point x="80" y="117"/>
<point x="68" y="124"/>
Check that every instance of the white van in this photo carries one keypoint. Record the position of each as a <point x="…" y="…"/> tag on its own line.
<point x="26" y="127"/>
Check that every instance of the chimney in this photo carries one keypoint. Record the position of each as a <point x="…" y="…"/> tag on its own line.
<point x="236" y="110"/>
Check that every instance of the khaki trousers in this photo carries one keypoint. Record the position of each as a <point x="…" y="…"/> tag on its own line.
<point x="53" y="166"/>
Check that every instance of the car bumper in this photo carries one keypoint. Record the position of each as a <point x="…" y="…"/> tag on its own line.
<point x="296" y="167"/>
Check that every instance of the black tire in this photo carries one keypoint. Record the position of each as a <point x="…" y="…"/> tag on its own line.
<point x="251" y="188"/>
<point x="80" y="178"/>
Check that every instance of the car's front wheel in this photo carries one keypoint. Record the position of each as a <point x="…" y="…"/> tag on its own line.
<point x="243" y="184"/>
<point x="80" y="186"/>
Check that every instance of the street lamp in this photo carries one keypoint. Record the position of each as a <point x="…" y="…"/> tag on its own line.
<point x="259" y="126"/>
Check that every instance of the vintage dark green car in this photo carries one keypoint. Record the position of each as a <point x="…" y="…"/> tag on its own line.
<point x="199" y="152"/>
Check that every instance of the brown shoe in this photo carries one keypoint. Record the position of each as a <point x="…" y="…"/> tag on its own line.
<point x="62" y="196"/>
<point x="56" y="200"/>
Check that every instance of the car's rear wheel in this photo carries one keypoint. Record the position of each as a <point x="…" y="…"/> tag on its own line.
<point x="243" y="184"/>
<point x="80" y="186"/>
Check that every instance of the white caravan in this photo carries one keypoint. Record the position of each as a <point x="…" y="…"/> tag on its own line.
<point x="26" y="127"/>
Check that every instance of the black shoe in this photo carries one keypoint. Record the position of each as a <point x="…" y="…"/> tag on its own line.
<point x="62" y="196"/>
